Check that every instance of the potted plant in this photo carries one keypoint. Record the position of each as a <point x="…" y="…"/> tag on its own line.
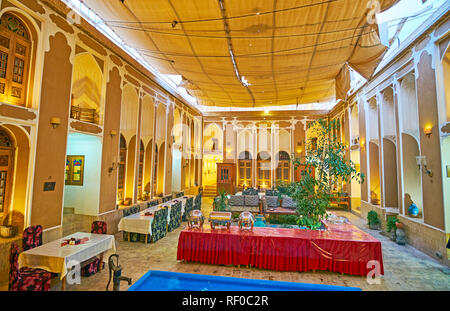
<point x="221" y="202"/>
<point x="391" y="226"/>
<point x="325" y="166"/>
<point x="373" y="220"/>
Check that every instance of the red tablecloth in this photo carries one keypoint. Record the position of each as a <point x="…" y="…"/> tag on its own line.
<point x="341" y="248"/>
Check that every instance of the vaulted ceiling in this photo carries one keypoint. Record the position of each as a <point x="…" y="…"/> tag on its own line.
<point x="252" y="53"/>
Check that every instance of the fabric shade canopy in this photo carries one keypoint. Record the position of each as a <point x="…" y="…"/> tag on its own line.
<point x="252" y="53"/>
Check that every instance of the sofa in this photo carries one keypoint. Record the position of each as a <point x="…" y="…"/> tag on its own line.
<point x="244" y="203"/>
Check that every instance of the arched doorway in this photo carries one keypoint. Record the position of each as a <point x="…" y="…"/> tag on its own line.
<point x="245" y="169"/>
<point x="263" y="170"/>
<point x="121" y="169"/>
<point x="7" y="152"/>
<point x="283" y="169"/>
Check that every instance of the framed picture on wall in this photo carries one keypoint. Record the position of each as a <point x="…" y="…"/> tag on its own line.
<point x="74" y="170"/>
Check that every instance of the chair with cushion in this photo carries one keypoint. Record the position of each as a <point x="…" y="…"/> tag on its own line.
<point x="93" y="265"/>
<point x="198" y="201"/>
<point x="188" y="207"/>
<point x="236" y="203"/>
<point x="26" y="279"/>
<point x="251" y="203"/>
<point x="159" y="224"/>
<point x="134" y="237"/>
<point x="99" y="227"/>
<point x="288" y="202"/>
<point x="175" y="216"/>
<point x="153" y="203"/>
<point x="167" y="198"/>
<point x="32" y="237"/>
<point x="272" y="201"/>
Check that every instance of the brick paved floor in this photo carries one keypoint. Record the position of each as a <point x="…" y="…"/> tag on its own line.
<point x="406" y="268"/>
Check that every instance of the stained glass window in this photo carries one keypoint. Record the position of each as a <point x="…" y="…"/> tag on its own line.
<point x="75" y="170"/>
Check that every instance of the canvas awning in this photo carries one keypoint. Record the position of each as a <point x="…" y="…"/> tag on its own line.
<point x="290" y="52"/>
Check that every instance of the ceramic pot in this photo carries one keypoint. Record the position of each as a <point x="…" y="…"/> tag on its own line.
<point x="399" y="225"/>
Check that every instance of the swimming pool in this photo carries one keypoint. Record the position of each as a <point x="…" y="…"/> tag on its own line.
<point x="155" y="280"/>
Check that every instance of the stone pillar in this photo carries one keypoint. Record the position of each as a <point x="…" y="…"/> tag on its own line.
<point x="50" y="160"/>
<point x="110" y="148"/>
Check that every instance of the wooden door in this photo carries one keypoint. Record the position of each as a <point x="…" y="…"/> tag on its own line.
<point x="6" y="173"/>
<point x="225" y="177"/>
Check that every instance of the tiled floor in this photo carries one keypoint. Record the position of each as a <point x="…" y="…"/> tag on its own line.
<point x="405" y="267"/>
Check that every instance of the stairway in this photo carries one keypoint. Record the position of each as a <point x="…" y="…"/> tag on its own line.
<point x="210" y="191"/>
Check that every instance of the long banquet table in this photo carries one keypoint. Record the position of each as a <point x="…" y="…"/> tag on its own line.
<point x="341" y="248"/>
<point x="139" y="223"/>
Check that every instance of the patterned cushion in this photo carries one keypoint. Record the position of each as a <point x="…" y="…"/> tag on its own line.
<point x="288" y="202"/>
<point x="99" y="227"/>
<point x="26" y="279"/>
<point x="159" y="224"/>
<point x="153" y="203"/>
<point x="175" y="216"/>
<point x="251" y="200"/>
<point x="91" y="266"/>
<point x="272" y="201"/>
<point x="198" y="201"/>
<point x="250" y="191"/>
<point x="32" y="237"/>
<point x="188" y="207"/>
<point x="236" y="200"/>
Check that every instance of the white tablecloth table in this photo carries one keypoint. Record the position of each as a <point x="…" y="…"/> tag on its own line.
<point x="139" y="223"/>
<point x="54" y="258"/>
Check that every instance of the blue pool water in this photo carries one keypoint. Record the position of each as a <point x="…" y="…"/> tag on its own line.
<point x="173" y="281"/>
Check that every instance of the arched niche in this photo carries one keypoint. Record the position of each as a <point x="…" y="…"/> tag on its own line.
<point x="213" y="139"/>
<point x="130" y="169"/>
<point x="14" y="159"/>
<point x="129" y="112"/>
<point x="87" y="81"/>
<point x="375" y="189"/>
<point x="412" y="181"/>
<point x="121" y="169"/>
<point x="390" y="174"/>
<point x="245" y="141"/>
<point x="408" y="105"/>
<point x="141" y="158"/>
<point x="446" y="78"/>
<point x="148" y="119"/>
<point x="161" y="161"/>
<point x="160" y="134"/>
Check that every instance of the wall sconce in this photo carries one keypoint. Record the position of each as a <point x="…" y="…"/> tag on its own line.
<point x="363" y="144"/>
<point x="113" y="133"/>
<point x="55" y="122"/>
<point x="428" y="130"/>
<point x="422" y="164"/>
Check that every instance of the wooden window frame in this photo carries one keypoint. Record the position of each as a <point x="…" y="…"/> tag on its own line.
<point x="8" y="82"/>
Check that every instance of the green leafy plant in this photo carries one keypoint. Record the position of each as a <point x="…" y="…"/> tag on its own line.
<point x="325" y="167"/>
<point x="283" y="219"/>
<point x="372" y="218"/>
<point x="391" y="223"/>
<point x="221" y="202"/>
